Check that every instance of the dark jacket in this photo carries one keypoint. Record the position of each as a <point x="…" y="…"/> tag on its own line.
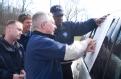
<point x="24" y="39"/>
<point x="65" y="34"/>
<point x="43" y="56"/>
<point x="11" y="59"/>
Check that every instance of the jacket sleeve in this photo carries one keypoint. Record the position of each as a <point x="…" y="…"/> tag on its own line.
<point x="76" y="50"/>
<point x="4" y="74"/>
<point x="57" y="50"/>
<point x="81" y="28"/>
<point x="46" y="49"/>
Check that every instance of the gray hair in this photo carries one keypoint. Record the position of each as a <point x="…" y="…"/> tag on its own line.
<point x="39" y="18"/>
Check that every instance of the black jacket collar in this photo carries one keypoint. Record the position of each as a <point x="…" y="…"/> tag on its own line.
<point x="27" y="34"/>
<point x="5" y="45"/>
<point x="42" y="34"/>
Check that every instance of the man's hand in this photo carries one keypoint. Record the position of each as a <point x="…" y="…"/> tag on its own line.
<point x="22" y="74"/>
<point x="19" y="76"/>
<point x="101" y="20"/>
<point x="91" y="45"/>
<point x="16" y="76"/>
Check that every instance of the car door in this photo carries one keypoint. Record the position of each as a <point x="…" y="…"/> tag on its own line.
<point x="108" y="62"/>
<point x="105" y="62"/>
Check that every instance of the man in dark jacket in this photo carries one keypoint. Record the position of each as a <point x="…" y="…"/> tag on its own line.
<point x="26" y="20"/>
<point x="66" y="31"/>
<point x="11" y="52"/>
<point x="43" y="54"/>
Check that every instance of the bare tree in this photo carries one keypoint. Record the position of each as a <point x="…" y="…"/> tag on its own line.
<point x="1" y="14"/>
<point x="2" y="11"/>
<point x="73" y="11"/>
<point x="10" y="9"/>
<point x="25" y="5"/>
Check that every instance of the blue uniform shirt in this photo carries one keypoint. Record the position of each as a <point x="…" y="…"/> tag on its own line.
<point x="66" y="32"/>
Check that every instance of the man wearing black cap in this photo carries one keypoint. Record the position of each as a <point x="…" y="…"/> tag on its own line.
<point x="66" y="31"/>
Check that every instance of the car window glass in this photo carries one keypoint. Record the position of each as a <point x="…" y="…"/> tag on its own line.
<point x="116" y="31"/>
<point x="107" y="64"/>
<point x="112" y="27"/>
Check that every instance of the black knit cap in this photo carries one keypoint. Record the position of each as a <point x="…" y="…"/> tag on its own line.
<point x="56" y="10"/>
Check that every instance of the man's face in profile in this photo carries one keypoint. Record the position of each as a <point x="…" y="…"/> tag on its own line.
<point x="58" y="19"/>
<point x="27" y="24"/>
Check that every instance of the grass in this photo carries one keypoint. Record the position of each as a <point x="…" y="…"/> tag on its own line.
<point x="77" y="38"/>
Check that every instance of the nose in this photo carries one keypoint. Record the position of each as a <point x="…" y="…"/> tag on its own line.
<point x="30" y="24"/>
<point x="55" y="27"/>
<point x="20" y="32"/>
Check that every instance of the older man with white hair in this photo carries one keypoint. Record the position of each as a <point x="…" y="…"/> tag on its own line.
<point x="44" y="54"/>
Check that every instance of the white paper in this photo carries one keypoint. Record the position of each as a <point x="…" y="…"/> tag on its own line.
<point x="99" y="37"/>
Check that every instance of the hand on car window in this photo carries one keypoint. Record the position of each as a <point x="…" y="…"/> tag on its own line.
<point x="91" y="45"/>
<point x="101" y="20"/>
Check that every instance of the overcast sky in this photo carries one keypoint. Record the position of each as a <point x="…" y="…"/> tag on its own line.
<point x="95" y="8"/>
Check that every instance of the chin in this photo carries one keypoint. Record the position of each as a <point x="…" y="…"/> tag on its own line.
<point x="18" y="38"/>
<point x="52" y="33"/>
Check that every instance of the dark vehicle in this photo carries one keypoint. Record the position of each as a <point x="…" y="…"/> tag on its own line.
<point x="105" y="63"/>
<point x="108" y="62"/>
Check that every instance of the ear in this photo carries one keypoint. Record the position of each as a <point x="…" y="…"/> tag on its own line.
<point x="43" y="25"/>
<point x="7" y="30"/>
<point x="10" y="30"/>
